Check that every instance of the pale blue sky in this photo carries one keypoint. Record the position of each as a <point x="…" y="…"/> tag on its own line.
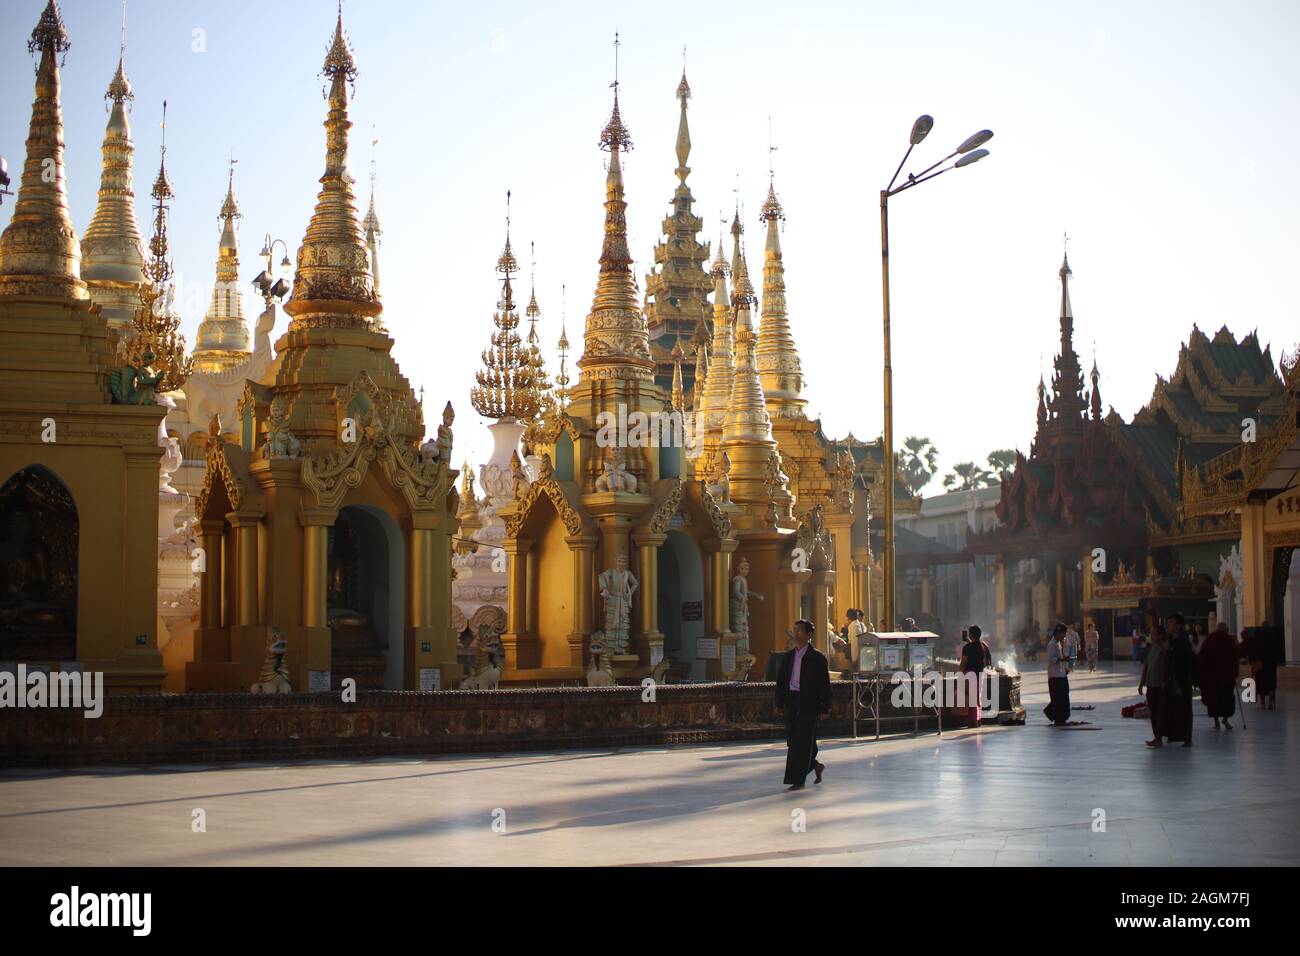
<point x="1162" y="136"/>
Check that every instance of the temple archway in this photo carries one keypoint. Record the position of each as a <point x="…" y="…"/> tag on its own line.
<point x="39" y="553"/>
<point x="681" y="601"/>
<point x="365" y="599"/>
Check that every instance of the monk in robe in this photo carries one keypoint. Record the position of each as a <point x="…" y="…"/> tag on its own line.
<point x="1217" y="663"/>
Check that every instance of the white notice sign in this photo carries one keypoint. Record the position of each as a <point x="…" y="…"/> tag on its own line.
<point x="318" y="681"/>
<point x="706" y="648"/>
<point x="430" y="678"/>
<point x="728" y="658"/>
<point x="891" y="657"/>
<point x="656" y="654"/>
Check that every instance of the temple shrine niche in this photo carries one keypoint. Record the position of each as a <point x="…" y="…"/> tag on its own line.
<point x="79" y="452"/>
<point x="330" y="517"/>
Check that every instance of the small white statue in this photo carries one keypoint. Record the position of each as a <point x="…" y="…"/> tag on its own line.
<point x="280" y="442"/>
<point x="740" y="595"/>
<point x="601" y="671"/>
<point x="275" y="675"/>
<point x="719" y="483"/>
<point x="487" y="671"/>
<point x="617" y="585"/>
<point x="616" y="476"/>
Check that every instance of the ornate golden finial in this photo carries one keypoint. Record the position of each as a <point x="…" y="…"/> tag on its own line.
<point x="223" y="338"/>
<point x="112" y="249"/>
<point x="717" y="389"/>
<point x="562" y="379"/>
<point x="543" y="398"/>
<point x="333" y="286"/>
<point x="777" y="358"/>
<point x="39" y="251"/>
<point x="678" y="397"/>
<point x="159" y="267"/>
<point x="119" y="89"/>
<point x="504" y="389"/>
<point x="616" y="343"/>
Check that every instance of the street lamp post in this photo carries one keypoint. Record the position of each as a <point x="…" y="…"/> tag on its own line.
<point x="266" y="282"/>
<point x="970" y="153"/>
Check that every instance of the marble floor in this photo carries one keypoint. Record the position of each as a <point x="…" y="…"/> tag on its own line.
<point x="995" y="796"/>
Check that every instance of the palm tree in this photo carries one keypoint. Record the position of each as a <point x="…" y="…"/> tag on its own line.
<point x="917" y="463"/>
<point x="1002" y="460"/>
<point x="966" y="475"/>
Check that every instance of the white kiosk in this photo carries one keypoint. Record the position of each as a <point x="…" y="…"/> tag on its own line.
<point x="879" y="655"/>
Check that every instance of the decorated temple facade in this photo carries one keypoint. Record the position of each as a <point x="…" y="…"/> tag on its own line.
<point x="677" y="289"/>
<point x="79" y="449"/>
<point x="684" y="510"/>
<point x="326" y="527"/>
<point x="1090" y="524"/>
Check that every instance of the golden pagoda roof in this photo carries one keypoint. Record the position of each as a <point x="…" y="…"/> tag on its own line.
<point x="223" y="336"/>
<point x="616" y="344"/>
<point x="778" y="360"/>
<point x="112" y="249"/>
<point x="39" y="251"/>
<point x="333" y="285"/>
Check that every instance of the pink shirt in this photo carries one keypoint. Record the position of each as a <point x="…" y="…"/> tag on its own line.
<point x="797" y="667"/>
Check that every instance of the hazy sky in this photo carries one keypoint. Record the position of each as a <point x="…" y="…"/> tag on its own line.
<point x="1161" y="136"/>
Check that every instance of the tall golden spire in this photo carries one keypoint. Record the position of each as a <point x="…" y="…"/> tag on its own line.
<point x="562" y="379"/>
<point x="333" y="286"/>
<point x="678" y="394"/>
<point x="747" y="438"/>
<point x="112" y="249"/>
<point x="616" y="344"/>
<point x="543" y="398"/>
<point x="505" y="382"/>
<point x="677" y="288"/>
<point x="223" y="339"/>
<point x="39" y="252"/>
<point x="778" y="360"/>
<point x="371" y="224"/>
<point x="717" y="389"/>
<point x="701" y="370"/>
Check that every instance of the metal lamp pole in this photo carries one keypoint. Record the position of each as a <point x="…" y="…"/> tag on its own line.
<point x="969" y="154"/>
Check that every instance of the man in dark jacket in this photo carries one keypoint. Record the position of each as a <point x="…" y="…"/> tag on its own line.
<point x="803" y="693"/>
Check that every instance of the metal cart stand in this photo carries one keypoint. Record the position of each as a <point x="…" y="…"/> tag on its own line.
<point x="876" y="658"/>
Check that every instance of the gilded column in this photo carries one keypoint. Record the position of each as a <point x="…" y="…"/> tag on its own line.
<point x="315" y="537"/>
<point x="210" y="587"/>
<point x="245" y="531"/>
<point x="422" y="577"/>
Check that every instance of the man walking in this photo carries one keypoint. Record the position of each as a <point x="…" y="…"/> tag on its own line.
<point x="1058" y="683"/>
<point x="803" y="693"/>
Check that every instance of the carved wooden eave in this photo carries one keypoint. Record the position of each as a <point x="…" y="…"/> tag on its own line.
<point x="330" y="476"/>
<point x="720" y="520"/>
<point x="667" y="504"/>
<point x="565" y="502"/>
<point x="227" y="465"/>
<point x="558" y="421"/>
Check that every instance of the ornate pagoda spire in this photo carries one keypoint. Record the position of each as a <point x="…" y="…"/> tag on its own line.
<point x="562" y="379"/>
<point x="333" y="286"/>
<point x="543" y="397"/>
<point x="112" y="249"/>
<point x="223" y="338"/>
<point x="158" y="270"/>
<point x="39" y="251"/>
<point x="778" y="360"/>
<point x="1095" y="394"/>
<point x="677" y="289"/>
<point x="1042" y="402"/>
<point x="616" y="344"/>
<point x="747" y="437"/>
<point x="1067" y="403"/>
<point x="737" y="234"/>
<point x="505" y="383"/>
<point x="717" y="389"/>
<point x="678" y="393"/>
<point x="371" y="223"/>
<point x="701" y="370"/>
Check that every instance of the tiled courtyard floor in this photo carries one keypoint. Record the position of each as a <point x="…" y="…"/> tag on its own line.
<point x="1000" y="796"/>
